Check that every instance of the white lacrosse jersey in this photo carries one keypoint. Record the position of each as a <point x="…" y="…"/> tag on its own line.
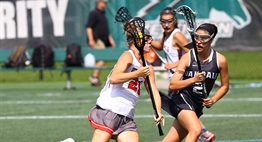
<point x="172" y="55"/>
<point x="122" y="98"/>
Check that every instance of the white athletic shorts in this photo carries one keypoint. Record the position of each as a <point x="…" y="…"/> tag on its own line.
<point x="110" y="122"/>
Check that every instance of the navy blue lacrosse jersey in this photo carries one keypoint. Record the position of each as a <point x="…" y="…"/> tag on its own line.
<point x="211" y="69"/>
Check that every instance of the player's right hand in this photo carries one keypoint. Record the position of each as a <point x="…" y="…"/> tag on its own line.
<point x="199" y="77"/>
<point x="143" y="71"/>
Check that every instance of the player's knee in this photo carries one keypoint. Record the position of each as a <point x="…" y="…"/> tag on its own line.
<point x="196" y="131"/>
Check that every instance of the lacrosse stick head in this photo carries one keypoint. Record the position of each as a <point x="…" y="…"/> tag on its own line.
<point x="123" y="15"/>
<point x="135" y="29"/>
<point x="189" y="17"/>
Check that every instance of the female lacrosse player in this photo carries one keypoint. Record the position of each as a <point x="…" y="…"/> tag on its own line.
<point x="112" y="117"/>
<point x="173" y="43"/>
<point x="189" y="101"/>
<point x="173" y="40"/>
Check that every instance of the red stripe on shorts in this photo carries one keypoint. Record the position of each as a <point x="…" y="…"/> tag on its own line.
<point x="100" y="126"/>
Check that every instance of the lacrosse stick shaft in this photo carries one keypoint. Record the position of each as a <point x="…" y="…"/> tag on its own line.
<point x="162" y="60"/>
<point x="196" y="53"/>
<point x="161" y="133"/>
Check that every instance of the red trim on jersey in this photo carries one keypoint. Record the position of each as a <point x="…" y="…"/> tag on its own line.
<point x="100" y="126"/>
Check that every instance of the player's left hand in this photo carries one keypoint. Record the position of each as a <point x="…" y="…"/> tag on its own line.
<point x="159" y="119"/>
<point x="168" y="66"/>
<point x="208" y="102"/>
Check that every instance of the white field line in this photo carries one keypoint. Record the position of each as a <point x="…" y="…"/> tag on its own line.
<point x="251" y="140"/>
<point x="48" y="102"/>
<point x="92" y="101"/>
<point x="136" y="116"/>
<point x="242" y="99"/>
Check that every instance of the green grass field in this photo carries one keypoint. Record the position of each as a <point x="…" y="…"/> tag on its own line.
<point x="34" y="110"/>
<point x="44" y="112"/>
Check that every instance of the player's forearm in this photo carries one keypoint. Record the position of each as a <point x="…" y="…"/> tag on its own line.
<point x="221" y="92"/>
<point x="157" y="45"/>
<point x="158" y="101"/>
<point x="174" y="65"/>
<point x="122" y="77"/>
<point x="181" y="84"/>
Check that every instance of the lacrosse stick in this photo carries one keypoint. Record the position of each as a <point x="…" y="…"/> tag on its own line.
<point x="122" y="15"/>
<point x="135" y="27"/>
<point x="190" y="19"/>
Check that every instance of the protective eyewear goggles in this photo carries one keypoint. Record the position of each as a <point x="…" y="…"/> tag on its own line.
<point x="170" y="21"/>
<point x="203" y="37"/>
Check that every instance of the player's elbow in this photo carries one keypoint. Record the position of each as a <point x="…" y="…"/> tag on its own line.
<point x="172" y="87"/>
<point x="113" y="80"/>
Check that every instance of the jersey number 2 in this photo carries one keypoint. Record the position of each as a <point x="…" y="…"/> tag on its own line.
<point x="135" y="85"/>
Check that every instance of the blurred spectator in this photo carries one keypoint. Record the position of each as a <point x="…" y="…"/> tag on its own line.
<point x="98" y="35"/>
